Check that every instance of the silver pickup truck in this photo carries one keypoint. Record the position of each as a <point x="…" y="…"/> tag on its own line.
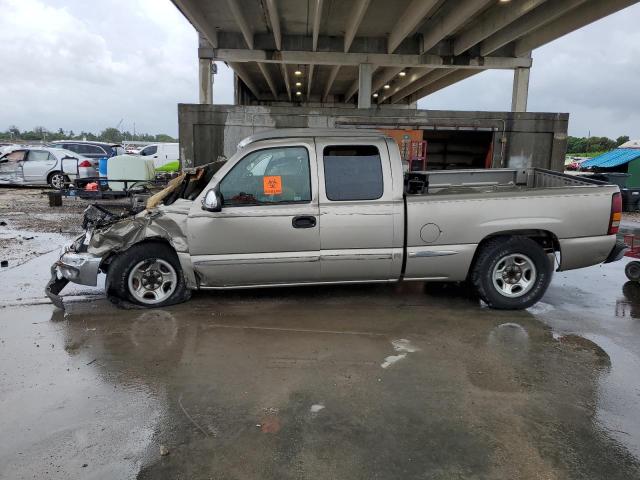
<point x="310" y="206"/>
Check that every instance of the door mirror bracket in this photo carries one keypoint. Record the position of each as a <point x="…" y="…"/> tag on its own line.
<point x="212" y="200"/>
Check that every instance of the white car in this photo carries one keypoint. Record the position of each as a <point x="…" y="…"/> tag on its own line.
<point x="36" y="166"/>
<point x="165" y="155"/>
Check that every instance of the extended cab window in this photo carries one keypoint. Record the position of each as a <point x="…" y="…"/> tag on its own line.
<point x="352" y="172"/>
<point x="272" y="175"/>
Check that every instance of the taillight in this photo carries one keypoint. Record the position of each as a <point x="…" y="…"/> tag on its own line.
<point x="85" y="163"/>
<point x="616" y="213"/>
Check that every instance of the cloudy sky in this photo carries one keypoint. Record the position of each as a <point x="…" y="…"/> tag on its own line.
<point x="86" y="65"/>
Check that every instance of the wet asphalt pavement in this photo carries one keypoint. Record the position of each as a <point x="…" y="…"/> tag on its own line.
<point x="350" y="382"/>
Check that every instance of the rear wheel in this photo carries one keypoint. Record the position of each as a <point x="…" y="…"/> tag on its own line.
<point x="511" y="273"/>
<point x="147" y="274"/>
<point x="57" y="180"/>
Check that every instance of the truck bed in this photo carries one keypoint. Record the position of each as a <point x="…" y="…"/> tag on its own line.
<point x="452" y="182"/>
<point x="459" y="209"/>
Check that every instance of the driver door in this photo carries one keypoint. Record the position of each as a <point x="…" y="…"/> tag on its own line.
<point x="268" y="229"/>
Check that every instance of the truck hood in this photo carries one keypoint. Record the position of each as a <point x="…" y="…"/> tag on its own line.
<point x="162" y="223"/>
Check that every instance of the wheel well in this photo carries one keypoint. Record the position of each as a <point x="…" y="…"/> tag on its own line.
<point x="104" y="265"/>
<point x="546" y="239"/>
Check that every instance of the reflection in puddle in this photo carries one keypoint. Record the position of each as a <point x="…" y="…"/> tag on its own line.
<point x="629" y="306"/>
<point x="161" y="325"/>
<point x="64" y="412"/>
<point x="618" y="394"/>
<point x="511" y="339"/>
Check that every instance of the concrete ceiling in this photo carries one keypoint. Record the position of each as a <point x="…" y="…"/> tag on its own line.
<point x="434" y="43"/>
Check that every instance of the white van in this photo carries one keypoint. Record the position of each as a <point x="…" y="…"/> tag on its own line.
<point x="166" y="156"/>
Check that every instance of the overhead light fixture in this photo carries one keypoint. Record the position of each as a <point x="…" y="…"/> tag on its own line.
<point x="387" y="86"/>
<point x="298" y="84"/>
<point x="298" y="93"/>
<point x="402" y="73"/>
<point x="297" y="73"/>
<point x="505" y="1"/>
<point x="375" y="95"/>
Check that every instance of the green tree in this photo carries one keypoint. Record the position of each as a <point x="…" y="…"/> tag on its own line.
<point x="111" y="135"/>
<point x="576" y="144"/>
<point x="622" y="139"/>
<point x="162" y="137"/>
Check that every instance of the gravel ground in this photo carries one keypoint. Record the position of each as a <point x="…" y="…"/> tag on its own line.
<point x="29" y="227"/>
<point x="631" y="217"/>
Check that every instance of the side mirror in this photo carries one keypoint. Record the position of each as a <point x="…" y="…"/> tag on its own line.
<point x="212" y="201"/>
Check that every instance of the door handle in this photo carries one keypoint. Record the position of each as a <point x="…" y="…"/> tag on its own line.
<point x="304" y="221"/>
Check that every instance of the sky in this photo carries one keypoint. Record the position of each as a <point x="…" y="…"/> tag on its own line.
<point x="87" y="65"/>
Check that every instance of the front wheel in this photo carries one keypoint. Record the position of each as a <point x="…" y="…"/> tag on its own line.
<point x="511" y="273"/>
<point x="147" y="274"/>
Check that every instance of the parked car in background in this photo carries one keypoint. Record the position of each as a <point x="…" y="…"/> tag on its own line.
<point x="5" y="147"/>
<point x="36" y="166"/>
<point x="166" y="156"/>
<point x="575" y="163"/>
<point x="91" y="152"/>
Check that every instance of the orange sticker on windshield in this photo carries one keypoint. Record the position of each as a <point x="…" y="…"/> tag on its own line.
<point x="272" y="185"/>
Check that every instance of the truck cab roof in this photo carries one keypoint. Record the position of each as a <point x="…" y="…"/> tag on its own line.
<point x="310" y="132"/>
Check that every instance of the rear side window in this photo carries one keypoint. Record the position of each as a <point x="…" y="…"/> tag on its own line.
<point x="352" y="172"/>
<point x="70" y="146"/>
<point x="39" y="155"/>
<point x="92" y="150"/>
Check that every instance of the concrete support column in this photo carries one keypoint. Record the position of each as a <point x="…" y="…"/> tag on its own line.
<point x="206" y="72"/>
<point x="365" y="72"/>
<point x="520" y="89"/>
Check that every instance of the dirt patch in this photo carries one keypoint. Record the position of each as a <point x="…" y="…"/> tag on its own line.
<point x="631" y="217"/>
<point x="28" y="209"/>
<point x="29" y="227"/>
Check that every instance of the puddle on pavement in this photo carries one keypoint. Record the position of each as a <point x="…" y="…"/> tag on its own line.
<point x="61" y="409"/>
<point x="24" y="284"/>
<point x="597" y="311"/>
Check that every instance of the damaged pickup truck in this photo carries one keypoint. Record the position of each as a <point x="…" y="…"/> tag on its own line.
<point x="311" y="206"/>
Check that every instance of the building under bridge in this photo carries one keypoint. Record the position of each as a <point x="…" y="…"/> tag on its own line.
<point x="367" y="63"/>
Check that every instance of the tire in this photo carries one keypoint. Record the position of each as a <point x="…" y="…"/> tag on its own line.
<point x="57" y="180"/>
<point x="147" y="274"/>
<point x="632" y="270"/>
<point x="511" y="273"/>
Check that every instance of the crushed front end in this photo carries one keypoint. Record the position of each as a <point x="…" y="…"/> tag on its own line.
<point x="107" y="233"/>
<point x="77" y="264"/>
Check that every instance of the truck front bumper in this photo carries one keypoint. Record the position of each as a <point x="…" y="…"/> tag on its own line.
<point x="73" y="267"/>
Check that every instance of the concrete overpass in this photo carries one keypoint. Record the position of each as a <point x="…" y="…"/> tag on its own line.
<point x="364" y="52"/>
